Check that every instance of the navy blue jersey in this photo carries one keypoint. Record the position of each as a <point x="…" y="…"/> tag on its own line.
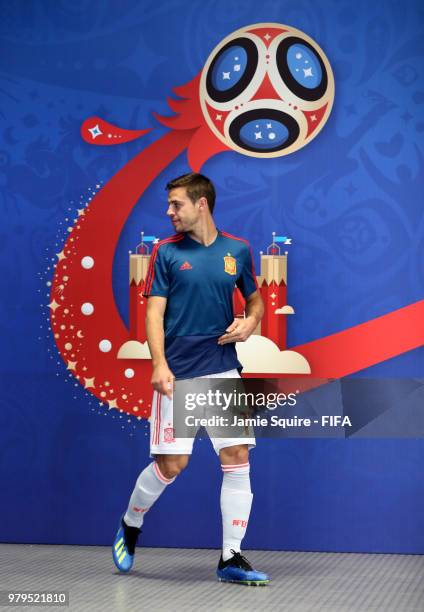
<point x="198" y="282"/>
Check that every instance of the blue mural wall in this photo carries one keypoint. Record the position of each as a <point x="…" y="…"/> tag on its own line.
<point x="351" y="201"/>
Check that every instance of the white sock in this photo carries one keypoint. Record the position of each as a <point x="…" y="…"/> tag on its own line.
<point x="149" y="486"/>
<point x="236" y="501"/>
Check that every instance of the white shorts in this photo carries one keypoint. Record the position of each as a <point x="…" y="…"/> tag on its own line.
<point x="162" y="441"/>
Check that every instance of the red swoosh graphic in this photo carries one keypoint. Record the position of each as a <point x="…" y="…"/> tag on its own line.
<point x="125" y="384"/>
<point x="367" y="344"/>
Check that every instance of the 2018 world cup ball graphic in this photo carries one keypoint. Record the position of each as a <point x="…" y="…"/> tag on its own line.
<point x="266" y="90"/>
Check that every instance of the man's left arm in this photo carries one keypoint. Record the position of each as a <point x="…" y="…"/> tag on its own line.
<point x="241" y="329"/>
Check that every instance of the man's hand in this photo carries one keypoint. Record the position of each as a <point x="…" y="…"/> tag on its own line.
<point x="163" y="379"/>
<point x="239" y="330"/>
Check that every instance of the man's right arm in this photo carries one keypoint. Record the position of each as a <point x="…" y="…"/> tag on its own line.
<point x="162" y="377"/>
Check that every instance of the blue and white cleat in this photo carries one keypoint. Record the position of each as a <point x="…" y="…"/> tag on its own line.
<point x="123" y="548"/>
<point x="238" y="569"/>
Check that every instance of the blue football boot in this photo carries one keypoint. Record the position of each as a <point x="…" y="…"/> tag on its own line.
<point x="238" y="569"/>
<point x="123" y="547"/>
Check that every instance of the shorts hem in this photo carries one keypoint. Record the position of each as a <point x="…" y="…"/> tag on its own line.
<point x="171" y="452"/>
<point x="250" y="444"/>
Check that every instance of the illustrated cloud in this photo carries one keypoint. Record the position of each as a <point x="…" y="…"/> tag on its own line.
<point x="132" y="349"/>
<point x="285" y="310"/>
<point x="260" y="355"/>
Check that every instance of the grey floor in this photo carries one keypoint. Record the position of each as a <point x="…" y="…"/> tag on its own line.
<point x="180" y="579"/>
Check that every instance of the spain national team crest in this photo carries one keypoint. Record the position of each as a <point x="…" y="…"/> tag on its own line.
<point x="168" y="434"/>
<point x="230" y="265"/>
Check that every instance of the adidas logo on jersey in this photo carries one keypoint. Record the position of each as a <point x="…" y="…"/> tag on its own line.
<point x="186" y="266"/>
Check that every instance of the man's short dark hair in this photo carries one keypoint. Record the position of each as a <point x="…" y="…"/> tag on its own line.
<point x="197" y="186"/>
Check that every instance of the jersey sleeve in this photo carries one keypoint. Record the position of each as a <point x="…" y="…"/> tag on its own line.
<point x="157" y="280"/>
<point x="246" y="282"/>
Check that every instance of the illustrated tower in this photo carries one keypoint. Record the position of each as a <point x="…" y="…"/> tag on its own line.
<point x="272" y="284"/>
<point x="139" y="263"/>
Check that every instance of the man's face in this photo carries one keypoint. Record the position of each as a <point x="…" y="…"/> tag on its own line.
<point x="183" y="213"/>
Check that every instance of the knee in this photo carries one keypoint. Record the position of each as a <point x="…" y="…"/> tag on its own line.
<point x="235" y="455"/>
<point x="170" y="465"/>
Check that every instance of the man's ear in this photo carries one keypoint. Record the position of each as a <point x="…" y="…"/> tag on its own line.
<point x="203" y="203"/>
